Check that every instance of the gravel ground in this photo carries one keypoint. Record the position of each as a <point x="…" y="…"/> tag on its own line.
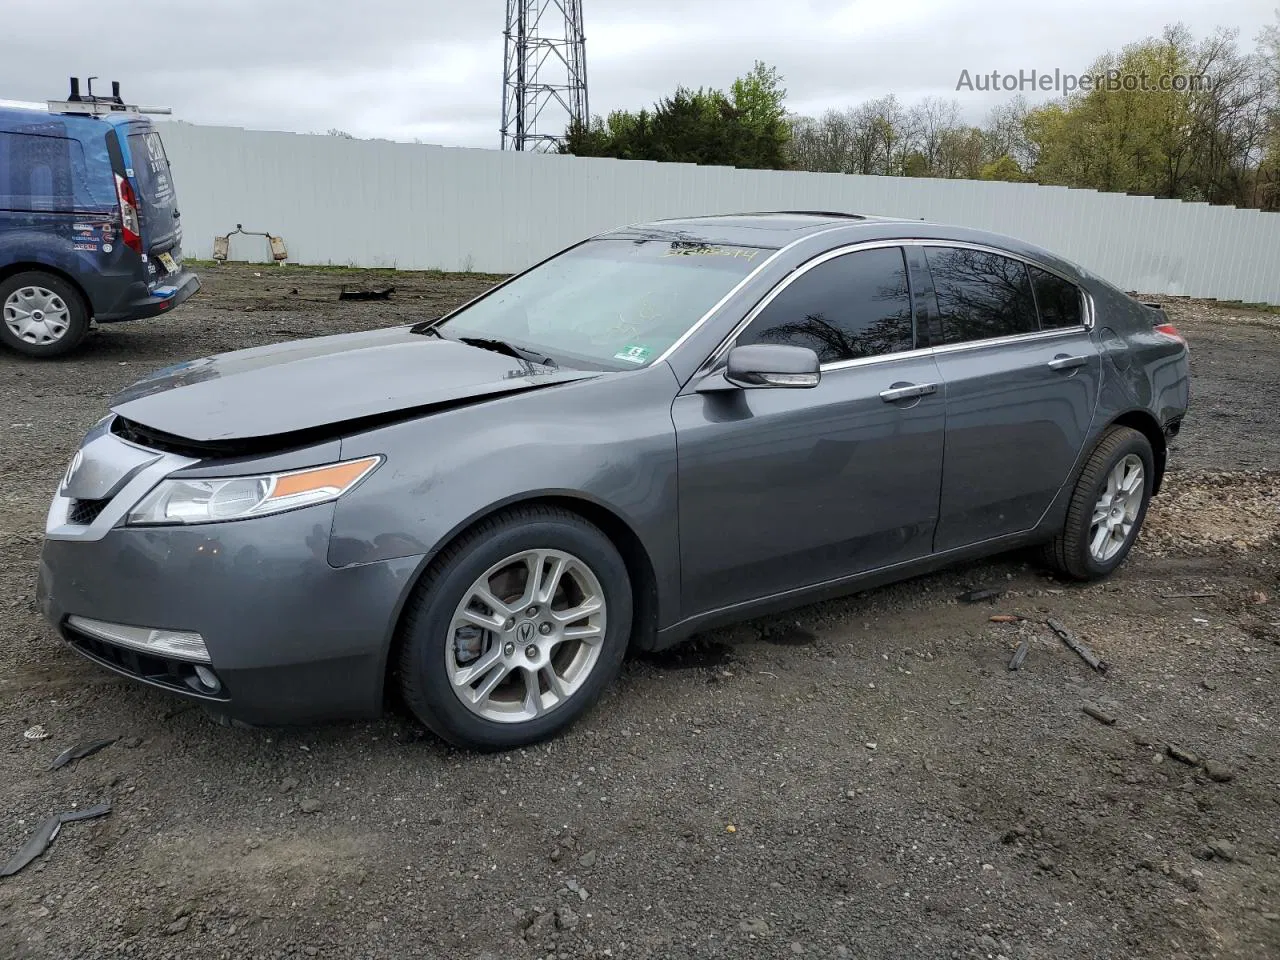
<point x="861" y="778"/>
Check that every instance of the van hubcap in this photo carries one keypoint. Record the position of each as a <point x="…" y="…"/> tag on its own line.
<point x="526" y="636"/>
<point x="1116" y="512"/>
<point x="36" y="315"/>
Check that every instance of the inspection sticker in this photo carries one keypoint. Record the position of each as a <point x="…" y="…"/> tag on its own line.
<point x="633" y="354"/>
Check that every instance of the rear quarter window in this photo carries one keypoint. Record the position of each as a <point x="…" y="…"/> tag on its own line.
<point x="1059" y="300"/>
<point x="41" y="172"/>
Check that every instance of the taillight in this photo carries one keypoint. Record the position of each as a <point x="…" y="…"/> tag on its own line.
<point x="130" y="229"/>
<point x="1170" y="331"/>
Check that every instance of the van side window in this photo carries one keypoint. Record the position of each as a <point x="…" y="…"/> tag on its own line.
<point x="41" y="173"/>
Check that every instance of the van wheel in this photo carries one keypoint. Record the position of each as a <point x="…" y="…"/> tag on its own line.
<point x="1107" y="507"/>
<point x="41" y="314"/>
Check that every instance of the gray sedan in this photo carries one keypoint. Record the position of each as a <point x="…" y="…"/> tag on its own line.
<point x="661" y="429"/>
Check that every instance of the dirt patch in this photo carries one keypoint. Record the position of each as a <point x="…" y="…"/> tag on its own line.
<point x="861" y="778"/>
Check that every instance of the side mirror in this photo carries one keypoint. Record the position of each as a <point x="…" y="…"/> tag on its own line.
<point x="772" y="365"/>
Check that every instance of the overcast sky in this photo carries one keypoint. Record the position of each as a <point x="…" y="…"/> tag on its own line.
<point x="432" y="69"/>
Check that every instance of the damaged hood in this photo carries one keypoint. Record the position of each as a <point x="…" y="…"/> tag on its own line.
<point x="305" y="384"/>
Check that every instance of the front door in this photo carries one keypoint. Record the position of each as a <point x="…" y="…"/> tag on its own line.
<point x="781" y="488"/>
<point x="1022" y="375"/>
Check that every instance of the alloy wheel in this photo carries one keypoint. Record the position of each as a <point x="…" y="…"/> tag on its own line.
<point x="526" y="635"/>
<point x="1116" y="512"/>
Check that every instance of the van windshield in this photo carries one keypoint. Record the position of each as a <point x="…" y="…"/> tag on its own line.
<point x="608" y="304"/>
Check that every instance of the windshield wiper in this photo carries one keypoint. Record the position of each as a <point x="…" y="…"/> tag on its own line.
<point x="509" y="350"/>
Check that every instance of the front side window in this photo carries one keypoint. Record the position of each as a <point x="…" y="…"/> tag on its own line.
<point x="608" y="304"/>
<point x="854" y="306"/>
<point x="1058" y="300"/>
<point x="981" y="295"/>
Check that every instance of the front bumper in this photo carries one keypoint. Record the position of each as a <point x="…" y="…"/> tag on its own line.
<point x="291" y="638"/>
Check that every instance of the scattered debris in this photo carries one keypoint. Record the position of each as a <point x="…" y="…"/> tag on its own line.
<point x="754" y="927"/>
<point x="81" y="750"/>
<point x="1186" y="596"/>
<point x="37" y="732"/>
<point x="1218" y="772"/>
<point x="177" y="926"/>
<point x="1087" y="655"/>
<point x="1099" y="714"/>
<point x="1020" y="654"/>
<point x="46" y="833"/>
<point x="222" y="245"/>
<point x="588" y="859"/>
<point x="1181" y="755"/>
<point x="1223" y="849"/>
<point x="383" y="294"/>
<point x="1006" y="618"/>
<point x="980" y="594"/>
<point x="309" y="806"/>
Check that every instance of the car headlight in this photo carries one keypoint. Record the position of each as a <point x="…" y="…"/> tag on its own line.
<point x="235" y="498"/>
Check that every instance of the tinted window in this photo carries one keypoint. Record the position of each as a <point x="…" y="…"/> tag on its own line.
<point x="857" y="305"/>
<point x="41" y="173"/>
<point x="1058" y="300"/>
<point x="981" y="295"/>
<point x="151" y="166"/>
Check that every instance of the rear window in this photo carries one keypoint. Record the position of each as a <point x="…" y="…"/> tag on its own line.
<point x="151" y="166"/>
<point x="43" y="173"/>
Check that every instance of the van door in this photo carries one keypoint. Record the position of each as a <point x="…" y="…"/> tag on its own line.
<point x="147" y="167"/>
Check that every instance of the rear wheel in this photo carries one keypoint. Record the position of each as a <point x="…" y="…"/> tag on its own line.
<point x="1107" y="507"/>
<point x="516" y="629"/>
<point x="41" y="314"/>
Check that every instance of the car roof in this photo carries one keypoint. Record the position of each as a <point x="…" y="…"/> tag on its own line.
<point x="774" y="230"/>
<point x="770" y="229"/>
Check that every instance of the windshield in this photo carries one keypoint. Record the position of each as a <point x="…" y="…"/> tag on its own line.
<point x="608" y="304"/>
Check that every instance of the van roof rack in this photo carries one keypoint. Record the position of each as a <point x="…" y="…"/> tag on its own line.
<point x="88" y="104"/>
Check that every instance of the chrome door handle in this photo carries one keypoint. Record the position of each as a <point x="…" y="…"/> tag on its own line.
<point x="908" y="392"/>
<point x="1067" y="363"/>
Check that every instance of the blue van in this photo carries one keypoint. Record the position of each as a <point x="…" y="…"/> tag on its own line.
<point x="89" y="222"/>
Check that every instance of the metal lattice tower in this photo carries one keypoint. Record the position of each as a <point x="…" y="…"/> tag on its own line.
<point x="545" y="66"/>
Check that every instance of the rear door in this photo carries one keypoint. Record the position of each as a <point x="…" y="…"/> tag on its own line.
<point x="148" y="169"/>
<point x="784" y="488"/>
<point x="1022" y="377"/>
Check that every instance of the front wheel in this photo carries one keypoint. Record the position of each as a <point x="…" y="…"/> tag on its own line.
<point x="1107" y="507"/>
<point x="516" y="629"/>
<point x="41" y="314"/>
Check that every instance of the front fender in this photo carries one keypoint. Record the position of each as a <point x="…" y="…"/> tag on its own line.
<point x="609" y="442"/>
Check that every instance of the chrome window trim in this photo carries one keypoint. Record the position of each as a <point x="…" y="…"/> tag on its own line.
<point x="715" y="356"/>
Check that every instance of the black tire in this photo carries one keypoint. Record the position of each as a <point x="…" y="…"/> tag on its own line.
<point x="77" y="313"/>
<point x="426" y="626"/>
<point x="1069" y="551"/>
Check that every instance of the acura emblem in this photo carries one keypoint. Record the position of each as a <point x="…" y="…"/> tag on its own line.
<point x="526" y="631"/>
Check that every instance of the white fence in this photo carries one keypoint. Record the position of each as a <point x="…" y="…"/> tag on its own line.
<point x="381" y="204"/>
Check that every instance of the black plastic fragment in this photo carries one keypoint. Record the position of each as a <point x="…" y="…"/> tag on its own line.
<point x="81" y="750"/>
<point x="46" y="833"/>
<point x="345" y="294"/>
<point x="976" y="596"/>
<point x="1020" y="654"/>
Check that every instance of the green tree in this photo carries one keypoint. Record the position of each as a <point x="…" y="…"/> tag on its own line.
<point x="746" y="127"/>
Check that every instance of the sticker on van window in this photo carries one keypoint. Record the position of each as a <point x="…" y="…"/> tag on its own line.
<point x="633" y="354"/>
